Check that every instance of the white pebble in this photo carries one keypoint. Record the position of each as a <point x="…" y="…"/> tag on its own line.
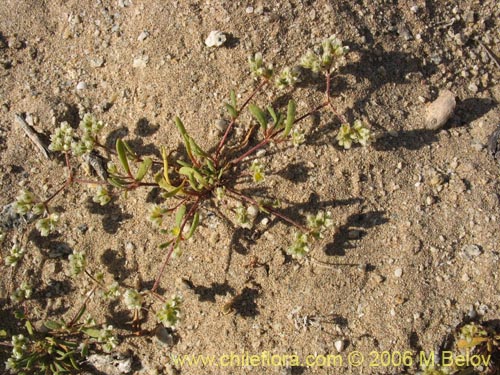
<point x="81" y="86"/>
<point x="142" y="36"/>
<point x="398" y="272"/>
<point x="215" y="39"/>
<point x="252" y="211"/>
<point x="339" y="345"/>
<point x="140" y="62"/>
<point x="249" y="10"/>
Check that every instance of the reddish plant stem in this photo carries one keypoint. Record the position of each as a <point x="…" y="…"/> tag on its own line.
<point x="270" y="209"/>
<point x="251" y="151"/>
<point x="329" y="101"/>
<point x="171" y="249"/>
<point x="68" y="182"/>
<point x="233" y="121"/>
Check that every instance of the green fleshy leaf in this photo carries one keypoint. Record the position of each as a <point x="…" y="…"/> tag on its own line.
<point x="259" y="115"/>
<point x="180" y="126"/>
<point x="196" y="149"/>
<point x="232" y="95"/>
<point x="194" y="224"/>
<point x="143" y="169"/>
<point x="231" y="110"/>
<point x="29" y="327"/>
<point x="122" y="154"/>
<point x="80" y="313"/>
<point x="117" y="182"/>
<point x="181" y="211"/>
<point x="92" y="332"/>
<point x="290" y="117"/>
<point x="52" y="325"/>
<point x="165" y="244"/>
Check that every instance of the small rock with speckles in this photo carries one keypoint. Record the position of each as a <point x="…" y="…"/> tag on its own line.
<point x="216" y="38"/>
<point x="440" y="110"/>
<point x="471" y="251"/>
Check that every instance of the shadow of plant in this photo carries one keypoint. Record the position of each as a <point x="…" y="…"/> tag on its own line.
<point x="348" y="231"/>
<point x="112" y="215"/>
<point x="208" y="293"/>
<point x="244" y="304"/>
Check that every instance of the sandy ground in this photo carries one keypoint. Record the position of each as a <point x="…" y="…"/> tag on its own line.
<point x="401" y="271"/>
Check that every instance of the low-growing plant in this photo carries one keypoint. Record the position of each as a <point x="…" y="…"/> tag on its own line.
<point x="478" y="340"/>
<point x="202" y="177"/>
<point x="59" y="348"/>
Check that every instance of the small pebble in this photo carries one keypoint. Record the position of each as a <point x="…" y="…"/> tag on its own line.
<point x="81" y="86"/>
<point x="440" y="110"/>
<point x="97" y="62"/>
<point x="142" y="36"/>
<point x="339" y="345"/>
<point x="398" y="272"/>
<point x="163" y="336"/>
<point x="471" y="251"/>
<point x="221" y="125"/>
<point x="216" y="38"/>
<point x="252" y="211"/>
<point x="249" y="10"/>
<point x="140" y="62"/>
<point x="473" y="88"/>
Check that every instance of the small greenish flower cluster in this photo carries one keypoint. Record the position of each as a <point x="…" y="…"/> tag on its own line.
<point x="19" y="346"/>
<point x="47" y="225"/>
<point x="63" y="138"/>
<point x="471" y="331"/>
<point x="170" y="313"/>
<point x="15" y="255"/>
<point x="156" y="215"/>
<point x="287" y="78"/>
<point x="112" y="292"/>
<point x="300" y="246"/>
<point x="298" y="137"/>
<point x="317" y="225"/>
<point x="133" y="299"/>
<point x="325" y="57"/>
<point x="258" y="171"/>
<point x="358" y="133"/>
<point x="77" y="263"/>
<point x="22" y="293"/>
<point x="107" y="338"/>
<point x="90" y="128"/>
<point x="246" y="216"/>
<point x="101" y="196"/>
<point x="257" y="67"/>
<point x="25" y="201"/>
